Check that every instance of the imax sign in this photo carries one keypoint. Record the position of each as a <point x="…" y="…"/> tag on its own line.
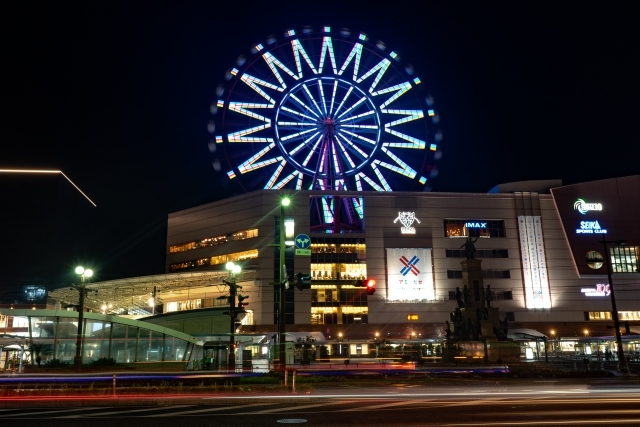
<point x="475" y="224"/>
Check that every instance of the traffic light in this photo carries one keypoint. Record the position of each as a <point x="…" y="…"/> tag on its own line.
<point x="371" y="286"/>
<point x="242" y="304"/>
<point x="303" y="281"/>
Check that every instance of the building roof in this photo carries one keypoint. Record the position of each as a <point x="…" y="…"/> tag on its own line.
<point x="132" y="294"/>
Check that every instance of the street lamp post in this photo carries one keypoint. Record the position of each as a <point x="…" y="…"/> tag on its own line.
<point x="82" y="290"/>
<point x="281" y="313"/>
<point x="622" y="363"/>
<point x="233" y="287"/>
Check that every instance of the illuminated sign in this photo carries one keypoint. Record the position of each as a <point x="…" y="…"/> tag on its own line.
<point x="590" y="227"/>
<point x="412" y="317"/>
<point x="601" y="290"/>
<point x="475" y="224"/>
<point x="407" y="219"/>
<point x="584" y="207"/>
<point x="409" y="275"/>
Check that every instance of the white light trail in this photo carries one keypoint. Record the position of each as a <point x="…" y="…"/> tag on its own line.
<point x="273" y="62"/>
<point x="249" y="165"/>
<point x="36" y="171"/>
<point x="356" y="52"/>
<point x="381" y="67"/>
<point x="239" y="136"/>
<point x="242" y="108"/>
<point x="402" y="168"/>
<point x="374" y="166"/>
<point x="400" y="90"/>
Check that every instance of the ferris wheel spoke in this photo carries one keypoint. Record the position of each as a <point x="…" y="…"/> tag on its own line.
<point x="353" y="148"/>
<point x="291" y="114"/>
<point x="303" y="144"/>
<point x="312" y="151"/>
<point x="276" y="174"/>
<point x="360" y="101"/>
<point x="345" y="154"/>
<point x="297" y="134"/>
<point x="343" y="100"/>
<point x="400" y="167"/>
<point x="305" y="106"/>
<point x="363" y="116"/>
<point x="306" y="89"/>
<point x="355" y="135"/>
<point x="322" y="100"/>
<point x="333" y="97"/>
<point x="251" y="164"/>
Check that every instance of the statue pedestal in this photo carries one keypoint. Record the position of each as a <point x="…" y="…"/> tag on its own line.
<point x="472" y="279"/>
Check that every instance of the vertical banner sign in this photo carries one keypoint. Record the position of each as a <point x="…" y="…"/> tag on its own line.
<point x="534" y="266"/>
<point x="409" y="275"/>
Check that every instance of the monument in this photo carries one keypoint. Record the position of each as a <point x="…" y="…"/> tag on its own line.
<point x="474" y="327"/>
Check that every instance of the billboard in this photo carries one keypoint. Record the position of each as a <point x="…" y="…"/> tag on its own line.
<point x="409" y="275"/>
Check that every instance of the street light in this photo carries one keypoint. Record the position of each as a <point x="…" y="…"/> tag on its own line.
<point x="234" y="270"/>
<point x="82" y="290"/>
<point x="622" y="363"/>
<point x="285" y="228"/>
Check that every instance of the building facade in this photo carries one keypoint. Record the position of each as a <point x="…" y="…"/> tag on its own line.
<point x="536" y="248"/>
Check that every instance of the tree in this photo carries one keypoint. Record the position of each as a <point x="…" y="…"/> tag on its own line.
<point x="38" y="350"/>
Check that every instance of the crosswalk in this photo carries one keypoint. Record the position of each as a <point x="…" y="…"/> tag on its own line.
<point x="275" y="408"/>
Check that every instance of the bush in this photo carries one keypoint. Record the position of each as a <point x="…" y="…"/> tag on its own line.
<point x="56" y="363"/>
<point x="103" y="361"/>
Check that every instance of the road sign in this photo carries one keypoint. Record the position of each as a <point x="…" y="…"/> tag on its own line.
<point x="303" y="252"/>
<point x="302" y="242"/>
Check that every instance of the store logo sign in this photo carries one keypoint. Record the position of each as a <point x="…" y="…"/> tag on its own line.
<point x="409" y="265"/>
<point x="407" y="219"/>
<point x="584" y="207"/>
<point x="601" y="290"/>
<point x="590" y="227"/>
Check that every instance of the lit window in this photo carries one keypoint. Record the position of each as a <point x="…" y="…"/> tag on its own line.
<point x="624" y="259"/>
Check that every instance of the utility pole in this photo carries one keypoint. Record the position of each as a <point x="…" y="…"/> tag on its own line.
<point x="82" y="290"/>
<point x="622" y="363"/>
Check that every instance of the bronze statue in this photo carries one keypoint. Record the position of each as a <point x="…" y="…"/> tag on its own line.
<point x="459" y="297"/>
<point x="469" y="248"/>
<point x="467" y="296"/>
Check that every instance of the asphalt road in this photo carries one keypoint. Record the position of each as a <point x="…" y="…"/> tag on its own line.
<point x="482" y="404"/>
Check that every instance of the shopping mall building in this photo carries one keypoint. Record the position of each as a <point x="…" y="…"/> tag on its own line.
<point x="540" y="243"/>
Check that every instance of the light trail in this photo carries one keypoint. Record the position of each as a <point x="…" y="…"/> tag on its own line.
<point x="35" y="171"/>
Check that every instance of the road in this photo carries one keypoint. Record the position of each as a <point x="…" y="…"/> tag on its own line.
<point x="484" y="404"/>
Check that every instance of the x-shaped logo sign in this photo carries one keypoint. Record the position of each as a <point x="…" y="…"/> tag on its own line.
<point x="409" y="265"/>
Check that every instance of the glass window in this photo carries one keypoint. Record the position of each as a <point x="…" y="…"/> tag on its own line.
<point x="480" y="253"/>
<point x="474" y="228"/>
<point x="212" y="241"/>
<point x="600" y="315"/>
<point x="624" y="259"/>
<point x="216" y="260"/>
<point x="355" y="271"/>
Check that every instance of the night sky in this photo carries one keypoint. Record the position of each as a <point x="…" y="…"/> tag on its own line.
<point x="117" y="95"/>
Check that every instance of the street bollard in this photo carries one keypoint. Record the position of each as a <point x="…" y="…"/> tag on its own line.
<point x="114" y="384"/>
<point x="293" y="382"/>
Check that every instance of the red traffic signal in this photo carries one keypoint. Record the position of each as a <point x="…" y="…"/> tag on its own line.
<point x="371" y="286"/>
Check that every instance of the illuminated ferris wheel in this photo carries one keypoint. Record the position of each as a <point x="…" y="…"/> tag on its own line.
<point x="325" y="110"/>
